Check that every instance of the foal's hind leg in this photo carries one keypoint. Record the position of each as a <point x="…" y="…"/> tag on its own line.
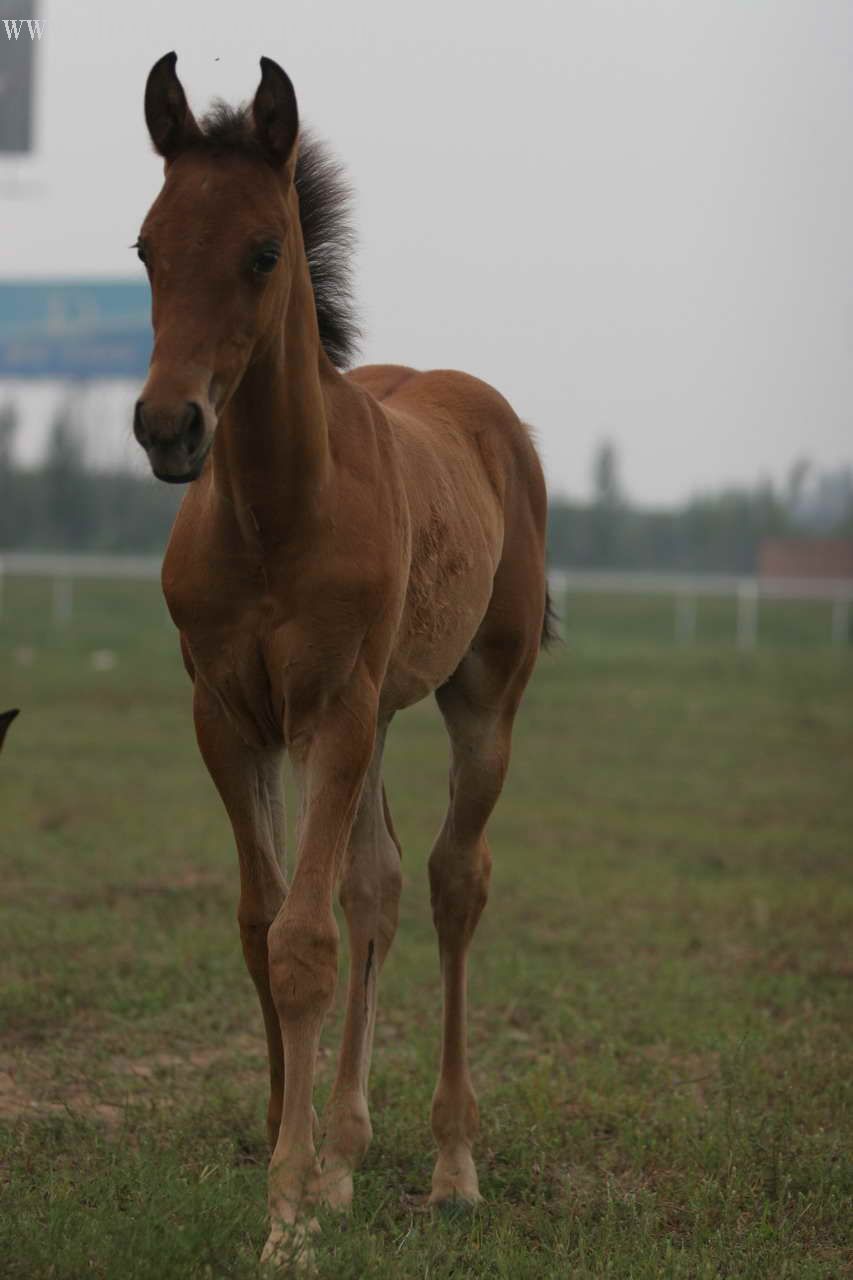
<point x="250" y="785"/>
<point x="370" y="896"/>
<point x="478" y="705"/>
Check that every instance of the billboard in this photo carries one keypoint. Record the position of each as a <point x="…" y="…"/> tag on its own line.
<point x="75" y="329"/>
<point x="19" y="40"/>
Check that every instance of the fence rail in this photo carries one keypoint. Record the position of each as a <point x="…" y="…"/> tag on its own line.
<point x="685" y="589"/>
<point x="617" y="582"/>
<point x="37" y="564"/>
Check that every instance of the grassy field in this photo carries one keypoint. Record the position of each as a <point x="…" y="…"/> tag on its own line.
<point x="661" y="985"/>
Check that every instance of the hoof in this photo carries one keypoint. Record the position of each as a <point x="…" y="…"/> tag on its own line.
<point x="455" y="1204"/>
<point x="288" y="1247"/>
<point x="334" y="1186"/>
<point x="454" y="1182"/>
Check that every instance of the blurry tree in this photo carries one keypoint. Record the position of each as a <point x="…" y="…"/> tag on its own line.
<point x="798" y="476"/>
<point x="62" y="505"/>
<point x="8" y="431"/>
<point x="606" y="482"/>
<point x="608" y="510"/>
<point x="66" y="493"/>
<point x="714" y="532"/>
<point x="820" y="502"/>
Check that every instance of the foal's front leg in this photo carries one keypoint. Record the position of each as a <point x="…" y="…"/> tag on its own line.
<point x="249" y="782"/>
<point x="370" y="896"/>
<point x="332" y="759"/>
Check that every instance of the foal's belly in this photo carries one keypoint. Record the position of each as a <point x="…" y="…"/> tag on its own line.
<point x="438" y="626"/>
<point x="243" y="670"/>
<point x="457" y="541"/>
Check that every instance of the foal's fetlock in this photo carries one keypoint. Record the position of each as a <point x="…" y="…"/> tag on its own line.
<point x="455" y="1115"/>
<point x="348" y="1134"/>
<point x="291" y="1199"/>
<point x="347" y="1131"/>
<point x="455" y="1124"/>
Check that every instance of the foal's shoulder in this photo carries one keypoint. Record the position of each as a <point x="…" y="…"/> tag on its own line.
<point x="420" y="403"/>
<point x="381" y="380"/>
<point x="464" y="397"/>
<point x="466" y="404"/>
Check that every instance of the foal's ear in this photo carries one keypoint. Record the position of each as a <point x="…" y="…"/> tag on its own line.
<point x="170" y="122"/>
<point x="275" y="113"/>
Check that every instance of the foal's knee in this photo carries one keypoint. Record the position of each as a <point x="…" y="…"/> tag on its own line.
<point x="303" y="966"/>
<point x="372" y="895"/>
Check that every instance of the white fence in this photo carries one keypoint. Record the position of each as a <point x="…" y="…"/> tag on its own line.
<point x="684" y="589"/>
<point x="687" y="589"/>
<point x="65" y="570"/>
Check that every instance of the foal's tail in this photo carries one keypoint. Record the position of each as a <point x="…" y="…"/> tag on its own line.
<point x="550" y="622"/>
<point x="550" y="633"/>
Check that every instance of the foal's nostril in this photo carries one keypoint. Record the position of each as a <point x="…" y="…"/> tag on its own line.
<point x="193" y="426"/>
<point x="180" y="429"/>
<point x="139" y="428"/>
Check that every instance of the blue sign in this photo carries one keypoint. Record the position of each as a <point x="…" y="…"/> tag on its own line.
<point x="86" y="329"/>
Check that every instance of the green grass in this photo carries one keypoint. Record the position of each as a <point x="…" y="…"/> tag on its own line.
<point x="661" y="985"/>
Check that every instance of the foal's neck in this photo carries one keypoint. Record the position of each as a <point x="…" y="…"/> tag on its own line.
<point x="272" y="462"/>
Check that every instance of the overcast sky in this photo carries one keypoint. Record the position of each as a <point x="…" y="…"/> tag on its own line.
<point x="633" y="218"/>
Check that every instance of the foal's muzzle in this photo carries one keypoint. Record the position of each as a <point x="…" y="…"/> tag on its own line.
<point x="175" y="439"/>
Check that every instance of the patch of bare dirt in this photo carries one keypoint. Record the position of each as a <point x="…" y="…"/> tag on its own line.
<point x="17" y="1101"/>
<point x="159" y="1078"/>
<point x="191" y="880"/>
<point x="162" y="1079"/>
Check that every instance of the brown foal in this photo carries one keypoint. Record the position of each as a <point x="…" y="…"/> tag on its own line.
<point x="351" y="543"/>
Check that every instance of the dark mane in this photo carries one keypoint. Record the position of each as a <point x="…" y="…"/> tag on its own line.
<point x="325" y="209"/>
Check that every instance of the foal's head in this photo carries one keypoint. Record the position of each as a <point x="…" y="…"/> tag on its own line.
<point x="219" y="245"/>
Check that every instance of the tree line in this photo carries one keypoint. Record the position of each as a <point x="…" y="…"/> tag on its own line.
<point x="719" y="531"/>
<point x="65" y="505"/>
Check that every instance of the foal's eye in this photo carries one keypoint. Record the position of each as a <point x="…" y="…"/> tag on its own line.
<point x="264" y="261"/>
<point x="140" y="252"/>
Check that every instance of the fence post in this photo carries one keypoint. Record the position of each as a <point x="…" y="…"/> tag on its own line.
<point x="63" y="601"/>
<point x="747" y="614"/>
<point x="685" y="618"/>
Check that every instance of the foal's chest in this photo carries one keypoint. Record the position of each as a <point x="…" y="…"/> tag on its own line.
<point x="233" y="661"/>
<point x="234" y="667"/>
<point x="225" y="621"/>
